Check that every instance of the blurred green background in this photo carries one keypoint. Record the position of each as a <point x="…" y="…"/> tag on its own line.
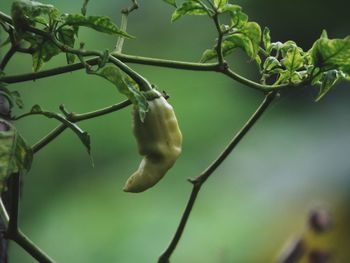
<point x="295" y="158"/>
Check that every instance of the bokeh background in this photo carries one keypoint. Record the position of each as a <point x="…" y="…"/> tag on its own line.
<point x="296" y="158"/>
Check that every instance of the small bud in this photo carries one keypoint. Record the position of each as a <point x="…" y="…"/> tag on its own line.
<point x="319" y="220"/>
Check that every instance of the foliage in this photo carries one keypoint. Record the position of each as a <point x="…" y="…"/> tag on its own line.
<point x="15" y="155"/>
<point x="42" y="31"/>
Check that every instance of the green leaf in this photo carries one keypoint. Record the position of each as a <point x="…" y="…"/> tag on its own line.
<point x="220" y="3"/>
<point x="293" y="58"/>
<point x="208" y="55"/>
<point x="253" y="31"/>
<point x="324" y="34"/>
<point x="171" y="2"/>
<point x="38" y="62"/>
<point x="239" y="40"/>
<point x="67" y="36"/>
<point x="298" y="76"/>
<point x="230" y="8"/>
<point x="188" y="8"/>
<point x="331" y="53"/>
<point x="44" y="51"/>
<point x="15" y="155"/>
<point x="284" y="76"/>
<point x="328" y="80"/>
<point x="346" y="70"/>
<point x="248" y="39"/>
<point x="238" y="19"/>
<point x="275" y="46"/>
<point x="266" y="38"/>
<point x="138" y="98"/>
<point x="271" y="63"/>
<point x="41" y="20"/>
<point x="258" y="62"/>
<point x="27" y="13"/>
<point x="101" y="24"/>
<point x="227" y="47"/>
<point x="127" y="87"/>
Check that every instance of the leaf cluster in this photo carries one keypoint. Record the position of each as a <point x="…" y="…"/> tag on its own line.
<point x="15" y="155"/>
<point x="323" y="65"/>
<point x="63" y="27"/>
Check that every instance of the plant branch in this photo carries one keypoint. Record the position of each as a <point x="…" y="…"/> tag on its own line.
<point x="201" y="179"/>
<point x="254" y="85"/>
<point x="13" y="231"/>
<point x="3" y="213"/>
<point x="47" y="73"/>
<point x="48" y="138"/>
<point x="28" y="245"/>
<point x="73" y="117"/>
<point x="7" y="57"/>
<point x="214" y="67"/>
<point x="15" y="185"/>
<point x="123" y="24"/>
<point x="140" y="80"/>
<point x="122" y="57"/>
<point x="133" y="7"/>
<point x="209" y="11"/>
<point x="6" y="18"/>
<point x="211" y="4"/>
<point x="220" y="38"/>
<point x="84" y="7"/>
<point x="93" y="114"/>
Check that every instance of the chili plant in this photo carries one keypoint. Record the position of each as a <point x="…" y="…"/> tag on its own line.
<point x="43" y="32"/>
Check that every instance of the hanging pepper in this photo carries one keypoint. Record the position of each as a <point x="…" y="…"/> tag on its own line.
<point x="159" y="140"/>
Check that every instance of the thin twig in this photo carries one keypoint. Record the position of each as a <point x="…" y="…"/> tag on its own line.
<point x="199" y="180"/>
<point x="93" y="114"/>
<point x="29" y="246"/>
<point x="15" y="185"/>
<point x="76" y="118"/>
<point x="133" y="7"/>
<point x="14" y="233"/>
<point x="140" y="80"/>
<point x="48" y="138"/>
<point x="254" y="85"/>
<point x="6" y="18"/>
<point x="7" y="57"/>
<point x="220" y="38"/>
<point x="3" y="213"/>
<point x="128" y="59"/>
<point x="124" y="23"/>
<point x="84" y="7"/>
<point x="122" y="57"/>
<point x="214" y="67"/>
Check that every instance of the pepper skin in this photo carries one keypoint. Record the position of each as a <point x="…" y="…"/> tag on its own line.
<point x="159" y="140"/>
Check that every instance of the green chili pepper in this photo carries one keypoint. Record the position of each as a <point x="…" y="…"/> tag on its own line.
<point x="159" y="140"/>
